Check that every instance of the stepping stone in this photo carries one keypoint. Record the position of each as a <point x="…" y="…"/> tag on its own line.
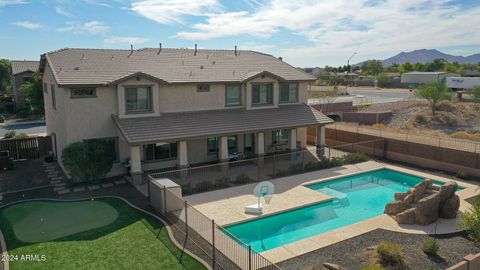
<point x="107" y="185"/>
<point x="58" y="188"/>
<point x="60" y="184"/>
<point x="51" y="171"/>
<point x="57" y="178"/>
<point x="53" y="182"/>
<point x="63" y="191"/>
<point x="78" y="189"/>
<point x="94" y="187"/>
<point x="119" y="182"/>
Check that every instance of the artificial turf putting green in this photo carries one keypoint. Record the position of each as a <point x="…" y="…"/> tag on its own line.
<point x="98" y="234"/>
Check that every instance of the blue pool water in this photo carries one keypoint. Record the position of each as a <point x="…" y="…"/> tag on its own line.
<point x="356" y="198"/>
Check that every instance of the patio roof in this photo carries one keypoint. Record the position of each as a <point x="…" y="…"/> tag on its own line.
<point x="187" y="125"/>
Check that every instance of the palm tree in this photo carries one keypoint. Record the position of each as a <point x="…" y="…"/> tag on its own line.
<point x="433" y="93"/>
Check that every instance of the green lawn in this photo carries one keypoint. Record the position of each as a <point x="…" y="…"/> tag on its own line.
<point x="95" y="234"/>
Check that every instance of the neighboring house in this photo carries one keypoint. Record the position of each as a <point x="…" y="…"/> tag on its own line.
<point x="162" y="108"/>
<point x="417" y="78"/>
<point x="314" y="71"/>
<point x="22" y="72"/>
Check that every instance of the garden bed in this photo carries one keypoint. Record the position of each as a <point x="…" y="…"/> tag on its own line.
<point x="357" y="252"/>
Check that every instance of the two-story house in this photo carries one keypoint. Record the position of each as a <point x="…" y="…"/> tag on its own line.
<point x="22" y="72"/>
<point x="161" y="108"/>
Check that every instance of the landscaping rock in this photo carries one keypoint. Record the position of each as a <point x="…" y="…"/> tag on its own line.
<point x="420" y="188"/>
<point x="400" y="195"/>
<point x="406" y="217"/>
<point x="426" y="211"/>
<point x="449" y="207"/>
<point x="409" y="199"/>
<point x="447" y="190"/>
<point x="395" y="207"/>
<point x="332" y="266"/>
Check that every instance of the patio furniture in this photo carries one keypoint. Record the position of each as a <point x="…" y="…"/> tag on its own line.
<point x="6" y="162"/>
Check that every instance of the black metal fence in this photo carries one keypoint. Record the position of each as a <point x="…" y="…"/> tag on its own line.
<point x="216" y="246"/>
<point x="223" y="175"/>
<point x="27" y="148"/>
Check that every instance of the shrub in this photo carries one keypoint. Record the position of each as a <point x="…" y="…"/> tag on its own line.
<point x="447" y="118"/>
<point x="475" y="93"/>
<point x="373" y="267"/>
<point x="10" y="134"/>
<point x="446" y="106"/>
<point x="463" y="174"/>
<point x="421" y="119"/>
<point x="383" y="80"/>
<point x="222" y="182"/>
<point x="353" y="158"/>
<point x="333" y="162"/>
<point x="21" y="136"/>
<point x="390" y="254"/>
<point x="87" y="161"/>
<point x="312" y="166"/>
<point x="471" y="222"/>
<point x="465" y="135"/>
<point x="382" y="126"/>
<point x="431" y="246"/>
<point x="243" y="179"/>
<point x="205" y="186"/>
<point x="2" y="118"/>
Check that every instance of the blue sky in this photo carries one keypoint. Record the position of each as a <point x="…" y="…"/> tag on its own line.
<point x="303" y="32"/>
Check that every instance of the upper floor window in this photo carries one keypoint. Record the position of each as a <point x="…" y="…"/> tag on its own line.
<point x="54" y="101"/>
<point x="288" y="92"/>
<point x="87" y="92"/>
<point x="138" y="99"/>
<point x="203" y="88"/>
<point x="233" y="95"/>
<point x="262" y="94"/>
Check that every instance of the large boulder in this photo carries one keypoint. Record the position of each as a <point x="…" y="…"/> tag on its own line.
<point x="449" y="208"/>
<point x="400" y="195"/>
<point x="395" y="207"/>
<point x="419" y="189"/>
<point x="426" y="210"/>
<point x="406" y="217"/>
<point x="448" y="190"/>
<point x="331" y="266"/>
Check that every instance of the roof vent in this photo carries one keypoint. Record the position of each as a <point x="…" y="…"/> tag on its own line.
<point x="76" y="68"/>
<point x="183" y="63"/>
<point x="207" y="56"/>
<point x="280" y="58"/>
<point x="195" y="53"/>
<point x="235" y="50"/>
<point x="83" y="57"/>
<point x="201" y="67"/>
<point x="233" y="73"/>
<point x="159" y="48"/>
<point x="113" y="57"/>
<point x="131" y="50"/>
<point x="213" y="62"/>
<point x="191" y="73"/>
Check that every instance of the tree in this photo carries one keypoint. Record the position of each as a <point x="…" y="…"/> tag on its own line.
<point x="382" y="79"/>
<point x="434" y="93"/>
<point x="5" y="75"/>
<point x="372" y="67"/>
<point x="87" y="161"/>
<point x="34" y="95"/>
<point x="406" y="67"/>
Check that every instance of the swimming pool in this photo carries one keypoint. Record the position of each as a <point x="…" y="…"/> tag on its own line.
<point x="355" y="198"/>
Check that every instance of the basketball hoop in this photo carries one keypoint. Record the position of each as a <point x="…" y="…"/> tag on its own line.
<point x="264" y="189"/>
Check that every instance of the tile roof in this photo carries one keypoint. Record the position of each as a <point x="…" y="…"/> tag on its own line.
<point x="19" y="66"/>
<point x="105" y="66"/>
<point x="185" y="125"/>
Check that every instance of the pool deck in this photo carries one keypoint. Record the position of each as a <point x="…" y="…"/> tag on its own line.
<point x="226" y="207"/>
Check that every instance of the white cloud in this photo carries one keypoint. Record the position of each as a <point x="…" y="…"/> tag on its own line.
<point x="28" y="25"/>
<point x="255" y="46"/>
<point x="172" y="11"/>
<point x="328" y="27"/>
<point x="12" y="2"/>
<point x="96" y="3"/>
<point x="88" y="28"/>
<point x="62" y="11"/>
<point x="125" y="40"/>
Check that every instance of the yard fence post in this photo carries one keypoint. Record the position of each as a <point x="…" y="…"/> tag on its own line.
<point x="213" y="244"/>
<point x="274" y="160"/>
<point x="186" y="220"/>
<point x="303" y="160"/>
<point x="249" y="257"/>
<point x="165" y="200"/>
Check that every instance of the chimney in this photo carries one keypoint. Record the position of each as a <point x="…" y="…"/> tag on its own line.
<point x="159" y="47"/>
<point x="235" y="50"/>
<point x="195" y="53"/>
<point x="280" y="58"/>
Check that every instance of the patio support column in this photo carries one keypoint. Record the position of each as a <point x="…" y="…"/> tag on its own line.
<point x="320" y="136"/>
<point x="260" y="144"/>
<point x="223" y="149"/>
<point x="135" y="164"/>
<point x="182" y="154"/>
<point x="320" y="141"/>
<point x="292" y="146"/>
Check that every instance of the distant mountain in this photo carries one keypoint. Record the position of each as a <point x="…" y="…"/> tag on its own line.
<point x="425" y="55"/>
